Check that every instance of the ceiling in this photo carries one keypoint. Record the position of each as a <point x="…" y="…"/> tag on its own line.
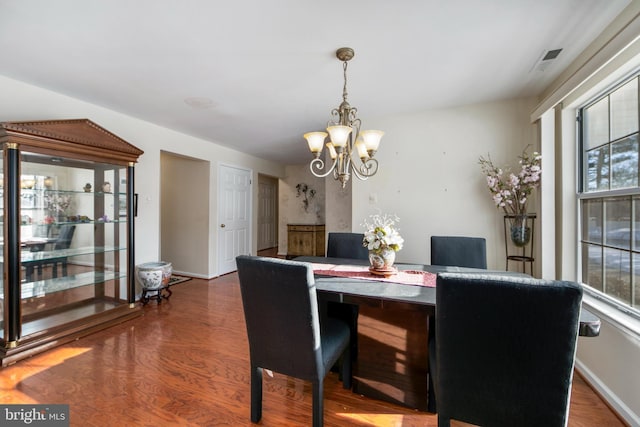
<point x="255" y="75"/>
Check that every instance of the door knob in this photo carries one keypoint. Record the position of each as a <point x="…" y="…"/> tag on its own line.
<point x="222" y="226"/>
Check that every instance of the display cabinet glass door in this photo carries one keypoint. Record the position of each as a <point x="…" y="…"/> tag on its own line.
<point x="73" y="239"/>
<point x="2" y="219"/>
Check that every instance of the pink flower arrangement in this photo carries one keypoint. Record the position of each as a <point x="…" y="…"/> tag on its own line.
<point x="511" y="191"/>
<point x="57" y="204"/>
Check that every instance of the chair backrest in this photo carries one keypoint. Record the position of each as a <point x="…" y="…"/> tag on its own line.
<point x="459" y="251"/>
<point x="346" y="245"/>
<point x="505" y="349"/>
<point x="42" y="230"/>
<point x="65" y="236"/>
<point x="281" y="314"/>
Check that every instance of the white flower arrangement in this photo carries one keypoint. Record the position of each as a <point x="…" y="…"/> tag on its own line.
<point x="511" y="191"/>
<point x="381" y="233"/>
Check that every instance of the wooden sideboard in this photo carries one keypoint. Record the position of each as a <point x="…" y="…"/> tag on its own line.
<point x="305" y="239"/>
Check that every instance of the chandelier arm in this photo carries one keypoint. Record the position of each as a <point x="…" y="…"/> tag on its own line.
<point x="367" y="169"/>
<point x="319" y="165"/>
<point x="354" y="121"/>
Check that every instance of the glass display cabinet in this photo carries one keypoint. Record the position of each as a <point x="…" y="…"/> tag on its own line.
<point x="67" y="235"/>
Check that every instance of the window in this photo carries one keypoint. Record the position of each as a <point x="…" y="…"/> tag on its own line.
<point x="610" y="195"/>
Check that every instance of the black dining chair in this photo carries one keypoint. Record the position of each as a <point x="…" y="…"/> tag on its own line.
<point x="459" y="251"/>
<point x="285" y="331"/>
<point x="453" y="251"/>
<point x="63" y="241"/>
<point x="346" y="245"/>
<point x="505" y="348"/>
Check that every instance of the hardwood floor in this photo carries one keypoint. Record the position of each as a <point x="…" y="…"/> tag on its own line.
<point x="186" y="363"/>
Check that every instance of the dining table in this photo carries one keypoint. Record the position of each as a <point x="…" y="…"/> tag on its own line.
<point x="393" y="317"/>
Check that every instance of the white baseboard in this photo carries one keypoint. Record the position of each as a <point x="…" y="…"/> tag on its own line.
<point x="612" y="399"/>
<point x="190" y="274"/>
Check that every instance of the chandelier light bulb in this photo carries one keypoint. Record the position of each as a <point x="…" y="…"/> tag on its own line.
<point x="372" y="139"/>
<point x="315" y="141"/>
<point x="339" y="135"/>
<point x="362" y="149"/>
<point x="332" y="151"/>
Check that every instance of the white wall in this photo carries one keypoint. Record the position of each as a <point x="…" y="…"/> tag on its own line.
<point x="338" y="206"/>
<point x="430" y="177"/>
<point x="20" y="101"/>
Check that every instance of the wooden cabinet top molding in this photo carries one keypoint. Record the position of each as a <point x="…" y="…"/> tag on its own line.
<point x="80" y="138"/>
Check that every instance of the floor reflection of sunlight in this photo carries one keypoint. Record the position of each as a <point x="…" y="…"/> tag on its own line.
<point x="380" y="420"/>
<point x="14" y="374"/>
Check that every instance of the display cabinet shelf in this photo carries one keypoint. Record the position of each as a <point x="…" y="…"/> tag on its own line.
<point x="42" y="256"/>
<point x="40" y="288"/>
<point x="67" y="200"/>
<point x="50" y="191"/>
<point x="92" y="221"/>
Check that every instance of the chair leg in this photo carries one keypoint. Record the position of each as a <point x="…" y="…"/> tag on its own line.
<point x="348" y="313"/>
<point x="443" y="421"/>
<point x="431" y="345"/>
<point x="347" y="373"/>
<point x="318" y="402"/>
<point x="256" y="393"/>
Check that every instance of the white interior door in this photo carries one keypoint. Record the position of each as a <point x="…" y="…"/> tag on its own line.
<point x="234" y="216"/>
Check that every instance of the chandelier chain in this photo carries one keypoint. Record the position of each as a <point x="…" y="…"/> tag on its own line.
<point x="344" y="88"/>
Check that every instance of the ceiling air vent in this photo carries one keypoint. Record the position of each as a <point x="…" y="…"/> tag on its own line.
<point x="546" y="59"/>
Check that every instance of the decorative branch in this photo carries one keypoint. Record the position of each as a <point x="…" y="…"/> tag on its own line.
<point x="307" y="192"/>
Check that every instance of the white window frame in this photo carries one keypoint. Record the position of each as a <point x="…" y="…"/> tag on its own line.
<point x="624" y="315"/>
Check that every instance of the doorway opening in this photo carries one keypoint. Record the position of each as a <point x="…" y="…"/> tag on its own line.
<point x="267" y="214"/>
<point x="184" y="213"/>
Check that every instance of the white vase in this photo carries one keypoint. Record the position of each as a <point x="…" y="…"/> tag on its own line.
<point x="382" y="259"/>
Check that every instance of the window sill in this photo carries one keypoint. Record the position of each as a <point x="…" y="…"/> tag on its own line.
<point x="607" y="312"/>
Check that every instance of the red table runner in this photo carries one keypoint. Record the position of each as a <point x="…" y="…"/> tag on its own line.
<point x="407" y="277"/>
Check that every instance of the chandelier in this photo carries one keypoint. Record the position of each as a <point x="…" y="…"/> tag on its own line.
<point x="346" y="139"/>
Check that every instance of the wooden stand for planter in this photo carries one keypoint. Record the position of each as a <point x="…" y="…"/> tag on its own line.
<point x="525" y="255"/>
